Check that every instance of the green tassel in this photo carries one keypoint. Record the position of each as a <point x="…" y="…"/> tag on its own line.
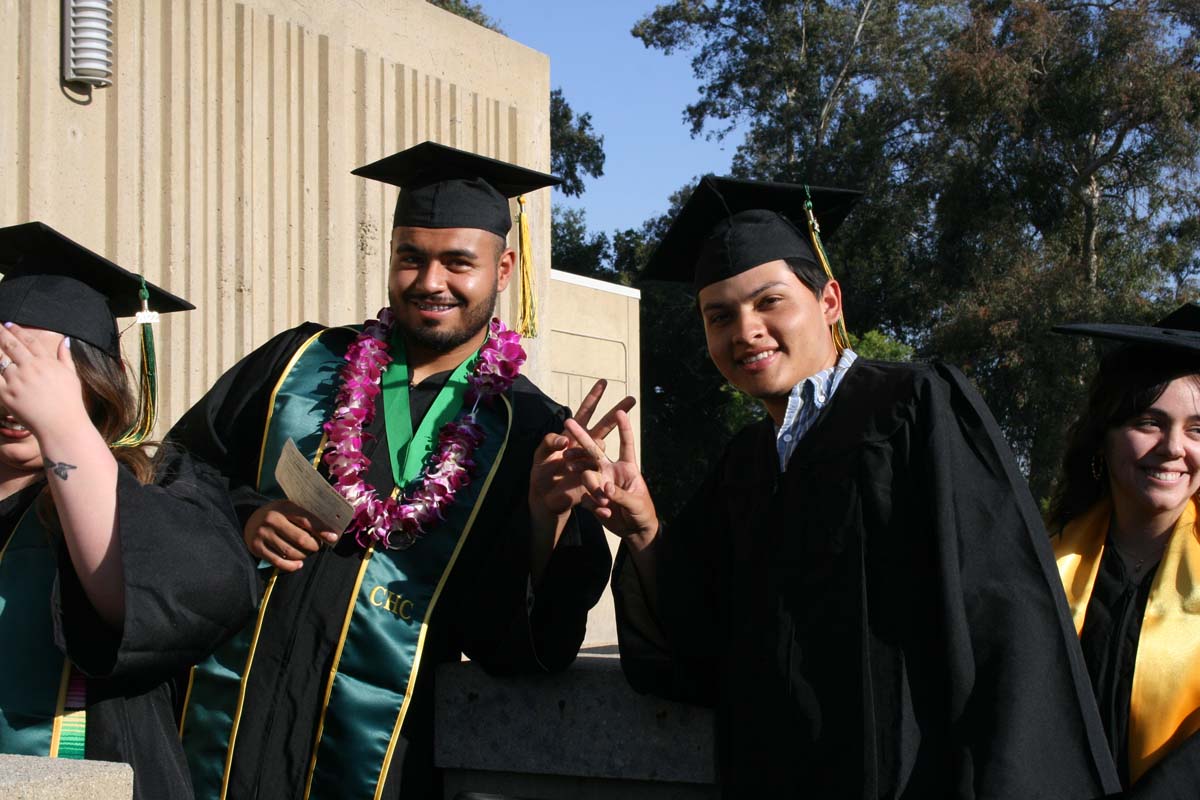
<point x="147" y="410"/>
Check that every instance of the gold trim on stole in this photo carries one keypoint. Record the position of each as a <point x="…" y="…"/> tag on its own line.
<point x="237" y="714"/>
<point x="333" y="669"/>
<point x="262" y="608"/>
<point x="59" y="708"/>
<point x="412" y="678"/>
<point x="262" y="450"/>
<point x="187" y="699"/>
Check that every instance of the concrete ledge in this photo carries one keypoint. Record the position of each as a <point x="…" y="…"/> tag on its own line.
<point x="31" y="778"/>
<point x="585" y="727"/>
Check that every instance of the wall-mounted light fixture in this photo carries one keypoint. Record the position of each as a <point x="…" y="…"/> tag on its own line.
<point x="87" y="42"/>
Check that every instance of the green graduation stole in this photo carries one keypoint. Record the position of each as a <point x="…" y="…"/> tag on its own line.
<point x="378" y="654"/>
<point x="41" y="694"/>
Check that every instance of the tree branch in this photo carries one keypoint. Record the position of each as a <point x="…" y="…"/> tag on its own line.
<point x="836" y="90"/>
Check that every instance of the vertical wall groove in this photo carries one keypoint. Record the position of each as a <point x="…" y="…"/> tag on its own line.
<point x="363" y="128"/>
<point x="241" y="140"/>
<point x="222" y="153"/>
<point x="24" y="119"/>
<point x="112" y="117"/>
<point x="323" y="265"/>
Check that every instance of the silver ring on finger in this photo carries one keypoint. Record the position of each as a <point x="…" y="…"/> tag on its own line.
<point x="5" y="364"/>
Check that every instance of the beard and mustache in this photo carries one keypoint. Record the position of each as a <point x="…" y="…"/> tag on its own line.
<point x="439" y="337"/>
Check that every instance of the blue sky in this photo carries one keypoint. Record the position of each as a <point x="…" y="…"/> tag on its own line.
<point x="636" y="97"/>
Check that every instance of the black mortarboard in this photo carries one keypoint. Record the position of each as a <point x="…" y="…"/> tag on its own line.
<point x="1179" y="329"/>
<point x="444" y="187"/>
<point x="54" y="283"/>
<point x="729" y="226"/>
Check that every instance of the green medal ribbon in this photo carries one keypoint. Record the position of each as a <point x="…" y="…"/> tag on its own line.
<point x="408" y="452"/>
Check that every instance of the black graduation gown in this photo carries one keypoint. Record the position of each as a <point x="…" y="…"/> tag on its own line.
<point x="883" y="619"/>
<point x="1109" y="639"/>
<point x="188" y="587"/>
<point x="1111" y="630"/>
<point x="483" y="611"/>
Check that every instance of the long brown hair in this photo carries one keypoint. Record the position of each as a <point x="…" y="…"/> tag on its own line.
<point x="1129" y="380"/>
<point x="110" y="403"/>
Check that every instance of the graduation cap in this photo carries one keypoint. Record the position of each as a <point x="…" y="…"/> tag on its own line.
<point x="1179" y="329"/>
<point x="444" y="187"/>
<point x="729" y="226"/>
<point x="54" y="283"/>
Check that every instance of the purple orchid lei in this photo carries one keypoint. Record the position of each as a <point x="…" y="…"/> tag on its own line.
<point x="396" y="523"/>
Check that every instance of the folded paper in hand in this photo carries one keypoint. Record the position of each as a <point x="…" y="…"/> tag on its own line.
<point x="305" y="487"/>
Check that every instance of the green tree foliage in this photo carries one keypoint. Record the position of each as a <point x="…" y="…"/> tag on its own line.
<point x="1024" y="164"/>
<point x="826" y="93"/>
<point x="881" y="347"/>
<point x="1070" y="141"/>
<point x="574" y="248"/>
<point x="469" y="10"/>
<point x="575" y="149"/>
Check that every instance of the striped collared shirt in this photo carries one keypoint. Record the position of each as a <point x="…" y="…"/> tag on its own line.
<point x="807" y="398"/>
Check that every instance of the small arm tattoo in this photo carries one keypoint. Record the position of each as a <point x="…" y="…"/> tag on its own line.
<point x="60" y="468"/>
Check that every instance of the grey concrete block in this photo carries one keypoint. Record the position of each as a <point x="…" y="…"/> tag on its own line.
<point x="585" y="722"/>
<point x="32" y="778"/>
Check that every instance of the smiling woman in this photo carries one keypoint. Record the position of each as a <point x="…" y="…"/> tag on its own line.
<point x="1126" y="542"/>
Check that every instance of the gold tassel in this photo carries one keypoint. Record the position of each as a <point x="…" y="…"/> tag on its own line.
<point x="147" y="410"/>
<point x="527" y="326"/>
<point x="841" y="337"/>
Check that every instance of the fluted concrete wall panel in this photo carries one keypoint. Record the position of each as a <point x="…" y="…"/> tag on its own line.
<point x="596" y="334"/>
<point x="218" y="161"/>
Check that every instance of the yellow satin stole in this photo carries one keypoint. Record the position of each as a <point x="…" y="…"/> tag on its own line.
<point x="1164" y="703"/>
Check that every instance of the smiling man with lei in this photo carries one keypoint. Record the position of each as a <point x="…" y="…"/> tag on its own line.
<point x="463" y="538"/>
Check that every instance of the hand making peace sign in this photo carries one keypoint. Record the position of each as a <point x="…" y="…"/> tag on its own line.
<point x="555" y="485"/>
<point x="615" y="489"/>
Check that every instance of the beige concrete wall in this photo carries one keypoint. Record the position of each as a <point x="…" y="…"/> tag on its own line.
<point x="596" y="334"/>
<point x="218" y="162"/>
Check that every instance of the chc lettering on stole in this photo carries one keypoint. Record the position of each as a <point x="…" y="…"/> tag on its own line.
<point x="395" y="603"/>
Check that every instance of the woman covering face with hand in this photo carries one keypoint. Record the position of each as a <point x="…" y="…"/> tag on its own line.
<point x="118" y="569"/>
<point x="1127" y="542"/>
